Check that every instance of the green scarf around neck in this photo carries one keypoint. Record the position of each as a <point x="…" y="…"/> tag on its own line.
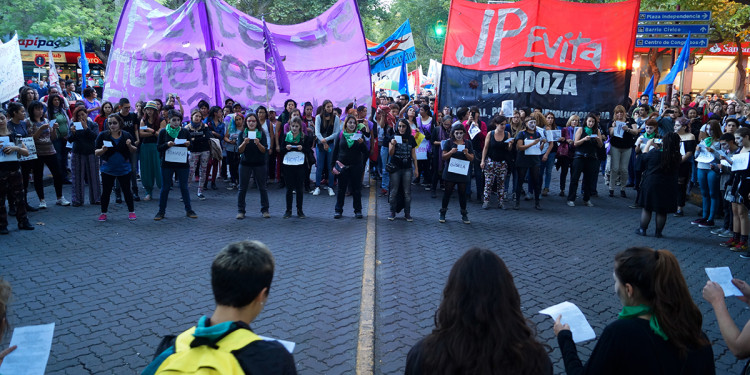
<point x="708" y="141"/>
<point x="172" y="131"/>
<point x="348" y="137"/>
<point x="290" y="138"/>
<point x="588" y="130"/>
<point x="629" y="312"/>
<point x="649" y="136"/>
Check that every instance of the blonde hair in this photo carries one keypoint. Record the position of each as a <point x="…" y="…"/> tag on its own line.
<point x="571" y="119"/>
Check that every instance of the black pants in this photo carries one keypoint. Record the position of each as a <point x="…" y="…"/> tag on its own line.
<point x="294" y="177"/>
<point x="589" y="167"/>
<point x="351" y="178"/>
<point x="437" y="174"/>
<point x="37" y="168"/>
<point x="234" y="161"/>
<point x="535" y="181"/>
<point x="479" y="178"/>
<point x="449" y="185"/>
<point x="108" y="182"/>
<point x="565" y="166"/>
<point x="12" y="189"/>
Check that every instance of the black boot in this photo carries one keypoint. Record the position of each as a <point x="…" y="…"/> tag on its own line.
<point x="25" y="225"/>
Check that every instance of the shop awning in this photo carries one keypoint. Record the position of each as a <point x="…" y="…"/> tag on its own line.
<point x="72" y="58"/>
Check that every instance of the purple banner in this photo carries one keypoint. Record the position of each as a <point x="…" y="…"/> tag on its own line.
<point x="208" y="50"/>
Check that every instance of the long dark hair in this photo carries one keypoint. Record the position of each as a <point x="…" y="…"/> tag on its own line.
<point x="30" y="111"/>
<point x="657" y="276"/>
<point x="53" y="110"/>
<point x="327" y="121"/>
<point x="670" y="156"/>
<point x="479" y="327"/>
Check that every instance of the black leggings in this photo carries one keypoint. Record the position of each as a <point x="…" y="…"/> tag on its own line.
<point x="661" y="220"/>
<point x="294" y="177"/>
<point x="535" y="181"/>
<point x="37" y="168"/>
<point x="449" y="190"/>
<point x="108" y="182"/>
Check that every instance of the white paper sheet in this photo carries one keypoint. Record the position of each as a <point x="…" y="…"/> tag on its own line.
<point x="107" y="143"/>
<point x="294" y="158"/>
<point x="682" y="148"/>
<point x="356" y="136"/>
<point x="288" y="345"/>
<point x="473" y="131"/>
<point x="5" y="142"/>
<point x="459" y="166"/>
<point x="573" y="316"/>
<point x="176" y="155"/>
<point x="32" y="354"/>
<point x="460" y="148"/>
<point x="740" y="161"/>
<point x="251" y="135"/>
<point x="180" y="141"/>
<point x="533" y="150"/>
<point x="619" y="129"/>
<point x="507" y="106"/>
<point x="398" y="139"/>
<point x="704" y="157"/>
<point x="553" y="135"/>
<point x="723" y="276"/>
<point x="78" y="126"/>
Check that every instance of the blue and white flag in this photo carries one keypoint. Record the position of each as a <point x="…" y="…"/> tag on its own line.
<point x="403" y="81"/>
<point x="84" y="62"/>
<point x="679" y="65"/>
<point x="390" y="53"/>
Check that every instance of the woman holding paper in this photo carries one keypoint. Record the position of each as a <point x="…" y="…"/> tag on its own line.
<point x="253" y="161"/>
<point x="708" y="173"/>
<point x="148" y="132"/>
<point x="738" y="341"/>
<point x="494" y="164"/>
<point x="11" y="182"/>
<point x="349" y="150"/>
<point x="84" y="162"/>
<point x="200" y="148"/>
<point x="659" y="327"/>
<point x="60" y="113"/>
<point x="659" y="187"/>
<point x="566" y="150"/>
<point x="739" y="193"/>
<point x="588" y="139"/>
<point x="479" y="326"/>
<point x="39" y="128"/>
<point x="458" y="155"/>
<point x="641" y="148"/>
<point x="622" y="136"/>
<point x="529" y="144"/>
<point x="687" y="149"/>
<point x="295" y="145"/>
<point x="172" y="146"/>
<point x="402" y="154"/>
<point x="115" y="147"/>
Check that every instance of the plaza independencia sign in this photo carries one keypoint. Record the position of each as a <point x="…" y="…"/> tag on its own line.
<point x="647" y="25"/>
<point x="530" y="52"/>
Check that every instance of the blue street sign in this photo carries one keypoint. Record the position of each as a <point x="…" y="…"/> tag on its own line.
<point x="673" y="29"/>
<point x="670" y="42"/>
<point x="675" y="16"/>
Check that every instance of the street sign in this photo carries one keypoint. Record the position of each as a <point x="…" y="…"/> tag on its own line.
<point x="675" y="16"/>
<point x="40" y="61"/>
<point x="673" y="29"/>
<point x="40" y="70"/>
<point x="670" y="42"/>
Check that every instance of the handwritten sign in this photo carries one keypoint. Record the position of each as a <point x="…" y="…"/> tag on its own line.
<point x="11" y="69"/>
<point x="422" y="150"/>
<point x="619" y="130"/>
<point x="533" y="150"/>
<point x="740" y="161"/>
<point x="31" y="146"/>
<point x="176" y="155"/>
<point x="507" y="107"/>
<point x="459" y="166"/>
<point x="294" y="158"/>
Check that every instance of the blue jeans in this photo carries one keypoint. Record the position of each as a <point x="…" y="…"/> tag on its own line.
<point x="386" y="177"/>
<point x="547" y="167"/>
<point x="323" y="162"/>
<point x="166" y="179"/>
<point x="709" y="183"/>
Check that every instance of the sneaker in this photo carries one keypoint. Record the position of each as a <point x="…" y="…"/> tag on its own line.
<point x="465" y="218"/>
<point x="25" y="225"/>
<point x="679" y="214"/>
<point x="427" y="188"/>
<point x="159" y="216"/>
<point x="103" y="217"/>
<point x="316" y="191"/>
<point x="537" y="206"/>
<point x="485" y="205"/>
<point x="131" y="216"/>
<point x="266" y="215"/>
<point x="442" y="217"/>
<point x="42" y="204"/>
<point x="588" y="204"/>
<point x="301" y="214"/>
<point x="358" y="215"/>
<point x="726" y="233"/>
<point x="562" y="194"/>
<point x="745" y="255"/>
<point x="622" y="194"/>
<point x="136" y="198"/>
<point x="740" y="247"/>
<point x="337" y="215"/>
<point x="383" y="192"/>
<point x="201" y="196"/>
<point x="729" y="243"/>
<point x="571" y="204"/>
<point x="717" y="231"/>
<point x="191" y="214"/>
<point x="240" y="216"/>
<point x="706" y="224"/>
<point x="230" y="186"/>
<point x="409" y="218"/>
<point x="392" y="216"/>
<point x="527" y="197"/>
<point x="287" y="214"/>
<point x="213" y="186"/>
<point x="147" y="197"/>
<point x="330" y="192"/>
<point x="545" y="192"/>
<point x="697" y="221"/>
<point x="62" y="202"/>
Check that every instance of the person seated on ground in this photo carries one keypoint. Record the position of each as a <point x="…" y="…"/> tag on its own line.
<point x="737" y="341"/>
<point x="241" y="276"/>
<point x="5" y="292"/>
<point x="659" y="327"/>
<point x="479" y="326"/>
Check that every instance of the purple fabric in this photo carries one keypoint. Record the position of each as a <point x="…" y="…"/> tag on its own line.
<point x="273" y="59"/>
<point x="208" y="50"/>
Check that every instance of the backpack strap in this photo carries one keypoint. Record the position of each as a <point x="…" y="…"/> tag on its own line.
<point x="229" y="342"/>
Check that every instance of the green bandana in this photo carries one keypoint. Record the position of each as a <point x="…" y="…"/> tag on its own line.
<point x="635" y="311"/>
<point x="649" y="136"/>
<point x="588" y="130"/>
<point x="708" y="141"/>
<point x="348" y="137"/>
<point x="290" y="138"/>
<point x="172" y="131"/>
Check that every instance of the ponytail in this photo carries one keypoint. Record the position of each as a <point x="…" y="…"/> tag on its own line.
<point x="657" y="276"/>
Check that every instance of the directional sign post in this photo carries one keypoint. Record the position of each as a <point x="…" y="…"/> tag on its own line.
<point x="670" y="42"/>
<point x="674" y="16"/>
<point x="672" y="29"/>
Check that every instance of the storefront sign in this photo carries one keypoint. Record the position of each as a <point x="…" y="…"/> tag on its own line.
<point x="725" y="49"/>
<point x="46" y="43"/>
<point x="72" y="58"/>
<point x="32" y="56"/>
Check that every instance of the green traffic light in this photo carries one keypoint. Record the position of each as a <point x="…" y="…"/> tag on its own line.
<point x="439" y="31"/>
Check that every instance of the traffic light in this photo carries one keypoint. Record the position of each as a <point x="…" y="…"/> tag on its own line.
<point x="439" y="28"/>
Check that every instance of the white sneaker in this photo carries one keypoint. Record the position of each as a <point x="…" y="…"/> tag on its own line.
<point x="330" y="192"/>
<point x="571" y="204"/>
<point x="63" y="202"/>
<point x="42" y="204"/>
<point x="726" y="234"/>
<point x="316" y="191"/>
<point x="588" y="204"/>
<point x="718" y="231"/>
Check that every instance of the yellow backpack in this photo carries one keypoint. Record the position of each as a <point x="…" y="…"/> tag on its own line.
<point x="194" y="356"/>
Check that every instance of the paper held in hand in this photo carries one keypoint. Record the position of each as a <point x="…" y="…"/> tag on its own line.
<point x="473" y="131"/>
<point x="460" y="148"/>
<point x="294" y="158"/>
<point x="31" y="356"/>
<point x="106" y="143"/>
<point x="459" y="166"/>
<point x="30" y="147"/>
<point x="5" y="143"/>
<point x="356" y="136"/>
<point x="180" y="141"/>
<point x="176" y="155"/>
<point x="398" y="139"/>
<point x="507" y="107"/>
<point x="533" y="150"/>
<point x="619" y="130"/>
<point x="251" y="135"/>
<point x="553" y="135"/>
<point x="288" y="345"/>
<point x="704" y="156"/>
<point x="723" y="276"/>
<point x="739" y="161"/>
<point x="422" y="150"/>
<point x="572" y="315"/>
<point x="78" y="126"/>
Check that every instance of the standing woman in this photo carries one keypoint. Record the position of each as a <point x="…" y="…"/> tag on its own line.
<point x="459" y="177"/>
<point x="39" y="128"/>
<point x="566" y="150"/>
<point x="216" y="129"/>
<point x="425" y="123"/>
<point x="659" y="187"/>
<point x="548" y="159"/>
<point x="440" y="134"/>
<point x="295" y="145"/>
<point x="11" y="183"/>
<point x="687" y="149"/>
<point x="253" y="160"/>
<point x="479" y="326"/>
<point x="174" y="135"/>
<point x="529" y="144"/>
<point x="403" y="156"/>
<point x="234" y="129"/>
<point x="495" y="165"/>
<point x="148" y="134"/>
<point x="621" y="147"/>
<point x="708" y="174"/>
<point x="84" y="163"/>
<point x="588" y="140"/>
<point x="327" y="127"/>
<point x="115" y="157"/>
<point x="200" y="148"/>
<point x="58" y="111"/>
<point x="107" y="109"/>
<point x="659" y="324"/>
<point x="347" y="158"/>
<point x="640" y="149"/>
<point x="16" y="123"/>
<point x="740" y="187"/>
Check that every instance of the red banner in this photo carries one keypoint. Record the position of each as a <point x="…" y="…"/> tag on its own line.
<point x="550" y="34"/>
<point x="72" y="58"/>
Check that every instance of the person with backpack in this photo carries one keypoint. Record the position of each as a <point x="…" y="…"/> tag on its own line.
<point x="241" y="276"/>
